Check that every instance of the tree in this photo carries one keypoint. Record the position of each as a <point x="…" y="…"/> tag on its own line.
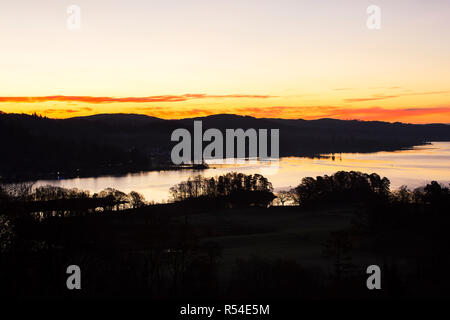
<point x="137" y="200"/>
<point x="403" y="195"/>
<point x="114" y="197"/>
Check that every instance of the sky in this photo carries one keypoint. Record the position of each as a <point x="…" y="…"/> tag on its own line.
<point x="274" y="59"/>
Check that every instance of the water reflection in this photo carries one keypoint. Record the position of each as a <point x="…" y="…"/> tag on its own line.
<point x="407" y="167"/>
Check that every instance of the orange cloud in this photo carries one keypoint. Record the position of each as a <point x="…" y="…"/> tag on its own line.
<point x="382" y="97"/>
<point x="162" y="98"/>
<point x="375" y="97"/>
<point x="377" y="113"/>
<point x="169" y="113"/>
<point x="62" y="111"/>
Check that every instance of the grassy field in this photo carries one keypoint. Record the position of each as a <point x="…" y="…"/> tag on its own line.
<point x="274" y="233"/>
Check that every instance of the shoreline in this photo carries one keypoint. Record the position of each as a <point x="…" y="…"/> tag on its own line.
<point x="26" y="177"/>
<point x="116" y="172"/>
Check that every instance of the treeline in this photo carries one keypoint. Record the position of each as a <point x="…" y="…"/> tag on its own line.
<point x="229" y="190"/>
<point x="405" y="208"/>
<point x="35" y="146"/>
<point x="342" y="186"/>
<point x="46" y="201"/>
<point x="357" y="187"/>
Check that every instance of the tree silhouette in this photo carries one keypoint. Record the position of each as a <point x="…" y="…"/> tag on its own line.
<point x="342" y="187"/>
<point x="137" y="200"/>
<point x="232" y="188"/>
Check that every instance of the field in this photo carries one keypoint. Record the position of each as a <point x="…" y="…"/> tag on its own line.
<point x="275" y="233"/>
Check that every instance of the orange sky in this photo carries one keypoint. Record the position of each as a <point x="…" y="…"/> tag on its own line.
<point x="262" y="106"/>
<point x="265" y="58"/>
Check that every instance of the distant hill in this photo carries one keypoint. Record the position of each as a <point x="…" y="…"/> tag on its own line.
<point x="117" y="118"/>
<point x="123" y="142"/>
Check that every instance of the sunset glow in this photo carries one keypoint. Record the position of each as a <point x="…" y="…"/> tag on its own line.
<point x="295" y="59"/>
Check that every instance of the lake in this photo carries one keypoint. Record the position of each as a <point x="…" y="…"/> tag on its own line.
<point x="413" y="168"/>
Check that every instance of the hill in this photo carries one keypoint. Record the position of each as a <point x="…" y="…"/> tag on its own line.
<point x="118" y="143"/>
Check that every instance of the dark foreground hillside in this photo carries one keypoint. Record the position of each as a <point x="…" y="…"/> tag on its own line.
<point x="319" y="248"/>
<point x="119" y="143"/>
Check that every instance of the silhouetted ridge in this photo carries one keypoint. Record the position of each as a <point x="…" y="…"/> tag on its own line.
<point x="108" y="143"/>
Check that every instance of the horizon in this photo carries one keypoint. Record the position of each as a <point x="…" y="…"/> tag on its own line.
<point x="212" y="115"/>
<point x="191" y="59"/>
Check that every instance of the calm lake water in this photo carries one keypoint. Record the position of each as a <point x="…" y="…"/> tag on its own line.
<point x="413" y="168"/>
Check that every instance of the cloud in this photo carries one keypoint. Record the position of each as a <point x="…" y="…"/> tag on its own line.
<point x="169" y="113"/>
<point x="377" y="113"/>
<point x="62" y="111"/>
<point x="385" y="88"/>
<point x="382" y="97"/>
<point x="161" y="98"/>
<point x="374" y="97"/>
